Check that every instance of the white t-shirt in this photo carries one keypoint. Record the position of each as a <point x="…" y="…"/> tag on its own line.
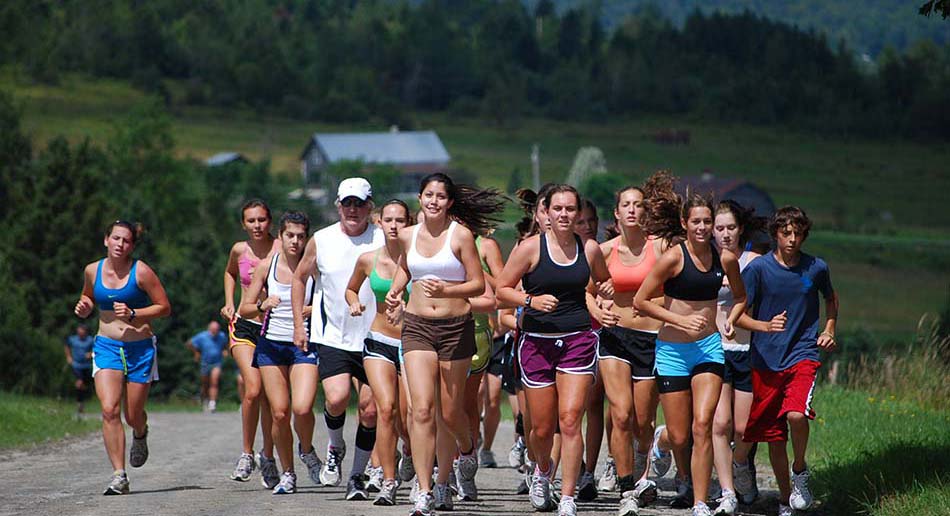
<point x="331" y="323"/>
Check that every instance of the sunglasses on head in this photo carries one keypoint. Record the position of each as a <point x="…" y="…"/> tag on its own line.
<point x="351" y="202"/>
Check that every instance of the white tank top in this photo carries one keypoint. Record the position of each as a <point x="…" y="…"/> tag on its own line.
<point x="279" y="322"/>
<point x="444" y="265"/>
<point x="725" y="303"/>
<point x="331" y="323"/>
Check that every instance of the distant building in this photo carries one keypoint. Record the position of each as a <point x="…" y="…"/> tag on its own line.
<point x="415" y="153"/>
<point x="743" y="192"/>
<point x="225" y="158"/>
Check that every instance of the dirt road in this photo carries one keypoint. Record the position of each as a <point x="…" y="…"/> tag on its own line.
<point x="187" y="473"/>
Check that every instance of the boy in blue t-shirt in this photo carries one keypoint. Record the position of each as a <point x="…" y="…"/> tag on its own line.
<point x="209" y="349"/>
<point x="782" y="292"/>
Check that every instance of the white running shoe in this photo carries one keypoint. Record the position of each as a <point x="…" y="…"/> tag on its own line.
<point x="608" y="482"/>
<point x="270" y="476"/>
<point x="784" y="510"/>
<point x="356" y="488"/>
<point x="801" y="498"/>
<point x="414" y="491"/>
<point x="516" y="455"/>
<point x="629" y="505"/>
<point x="586" y="489"/>
<point x="375" y="482"/>
<point x="287" y="484"/>
<point x="387" y="493"/>
<point x="662" y="460"/>
<point x="728" y="503"/>
<point x="139" y="452"/>
<point x="486" y="459"/>
<point x="443" y="497"/>
<point x="424" y="505"/>
<point x="330" y="473"/>
<point x="406" y="468"/>
<point x="314" y="464"/>
<point x="467" y="469"/>
<point x="746" y="488"/>
<point x="540" y="492"/>
<point x="701" y="509"/>
<point x="245" y="466"/>
<point x="567" y="507"/>
<point x="118" y="484"/>
<point x="646" y="492"/>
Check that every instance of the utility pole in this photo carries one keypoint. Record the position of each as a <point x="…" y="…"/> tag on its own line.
<point x="536" y="166"/>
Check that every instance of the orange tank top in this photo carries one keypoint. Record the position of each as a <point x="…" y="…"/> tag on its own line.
<point x="628" y="278"/>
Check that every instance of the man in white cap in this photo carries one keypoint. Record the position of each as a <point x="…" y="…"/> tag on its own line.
<point x="330" y="258"/>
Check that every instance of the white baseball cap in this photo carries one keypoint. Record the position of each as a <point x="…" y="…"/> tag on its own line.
<point x="354" y="187"/>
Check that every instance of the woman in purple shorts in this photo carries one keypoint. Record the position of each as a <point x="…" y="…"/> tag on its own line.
<point x="558" y="348"/>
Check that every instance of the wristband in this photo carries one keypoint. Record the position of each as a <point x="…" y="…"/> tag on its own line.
<point x="259" y="307"/>
<point x="132" y="315"/>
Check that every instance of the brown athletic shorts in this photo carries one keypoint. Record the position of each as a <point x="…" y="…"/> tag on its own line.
<point x="452" y="338"/>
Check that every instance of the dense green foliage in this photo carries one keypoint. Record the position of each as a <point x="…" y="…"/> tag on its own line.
<point x="867" y="27"/>
<point x="350" y="61"/>
<point x="55" y="204"/>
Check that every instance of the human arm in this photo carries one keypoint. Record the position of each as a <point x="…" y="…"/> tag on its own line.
<point x="298" y="291"/>
<point x="149" y="282"/>
<point x="492" y="254"/>
<point x="485" y="303"/>
<point x="731" y="266"/>
<point x="86" y="301"/>
<point x="190" y="344"/>
<point x="251" y="307"/>
<point x="231" y="273"/>
<point x="519" y="263"/>
<point x="826" y="339"/>
<point x="69" y="353"/>
<point x="356" y="281"/>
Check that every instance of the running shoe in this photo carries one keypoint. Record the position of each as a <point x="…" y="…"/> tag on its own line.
<point x="728" y="503"/>
<point x="245" y="466"/>
<point x="556" y="490"/>
<point x="287" y="484"/>
<point x="330" y="473"/>
<point x="139" y="452"/>
<point x="406" y="468"/>
<point x="414" y="492"/>
<point x="639" y="463"/>
<point x="424" y="505"/>
<point x="801" y="498"/>
<point x="453" y="478"/>
<point x="586" y="490"/>
<point x="784" y="510"/>
<point x="529" y="473"/>
<point x="608" y="482"/>
<point x="443" y="497"/>
<point x="662" y="460"/>
<point x="270" y="476"/>
<point x="467" y="469"/>
<point x="522" y="488"/>
<point x="486" y="459"/>
<point x="314" y="464"/>
<point x="567" y="507"/>
<point x="118" y="485"/>
<point x="375" y="481"/>
<point x="629" y="506"/>
<point x="684" y="494"/>
<point x="516" y="455"/>
<point x="541" y="493"/>
<point x="746" y="487"/>
<point x="646" y="492"/>
<point x="212" y="406"/>
<point x="356" y="488"/>
<point x="387" y="493"/>
<point x="701" y="509"/>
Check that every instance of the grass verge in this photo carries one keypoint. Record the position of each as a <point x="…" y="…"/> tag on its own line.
<point x="32" y="420"/>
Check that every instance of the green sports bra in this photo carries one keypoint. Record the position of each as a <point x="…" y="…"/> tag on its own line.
<point x="379" y="285"/>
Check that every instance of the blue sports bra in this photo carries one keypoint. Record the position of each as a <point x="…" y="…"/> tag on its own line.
<point x="129" y="294"/>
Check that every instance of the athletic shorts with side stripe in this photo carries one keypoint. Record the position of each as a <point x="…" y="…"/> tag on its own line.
<point x="137" y="359"/>
<point x="244" y="332"/>
<point x="377" y="346"/>
<point x="775" y="394"/>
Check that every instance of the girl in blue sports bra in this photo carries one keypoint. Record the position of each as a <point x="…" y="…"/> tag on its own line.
<point x="689" y="357"/>
<point x="129" y="296"/>
<point x="381" y="355"/>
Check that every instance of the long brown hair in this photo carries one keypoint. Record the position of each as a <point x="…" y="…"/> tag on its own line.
<point x="475" y="209"/>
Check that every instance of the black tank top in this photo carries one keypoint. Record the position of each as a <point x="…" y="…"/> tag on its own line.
<point x="691" y="284"/>
<point x="568" y="283"/>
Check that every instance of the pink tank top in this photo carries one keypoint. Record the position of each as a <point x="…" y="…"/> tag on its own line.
<point x="246" y="264"/>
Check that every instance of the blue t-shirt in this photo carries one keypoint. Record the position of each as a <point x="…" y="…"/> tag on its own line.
<point x="210" y="347"/>
<point x="79" y="347"/>
<point x="772" y="288"/>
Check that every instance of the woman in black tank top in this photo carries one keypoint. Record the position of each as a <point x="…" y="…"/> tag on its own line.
<point x="689" y="356"/>
<point x="557" y="349"/>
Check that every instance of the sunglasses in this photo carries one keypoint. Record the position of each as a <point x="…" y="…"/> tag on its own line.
<point x="351" y="202"/>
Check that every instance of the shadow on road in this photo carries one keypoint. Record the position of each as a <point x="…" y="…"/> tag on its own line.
<point x="171" y="489"/>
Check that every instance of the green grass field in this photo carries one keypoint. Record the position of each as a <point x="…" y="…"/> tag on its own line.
<point x="890" y="262"/>
<point x="31" y="420"/>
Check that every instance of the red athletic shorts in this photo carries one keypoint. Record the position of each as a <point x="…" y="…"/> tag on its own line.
<point x="776" y="393"/>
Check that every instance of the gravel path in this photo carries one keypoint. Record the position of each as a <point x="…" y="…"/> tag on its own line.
<point x="192" y="455"/>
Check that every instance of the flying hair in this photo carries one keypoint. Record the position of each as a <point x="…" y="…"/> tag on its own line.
<point x="478" y="210"/>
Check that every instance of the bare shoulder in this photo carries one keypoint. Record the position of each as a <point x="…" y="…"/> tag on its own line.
<point x="238" y="248"/>
<point x="463" y="235"/>
<point x="592" y="248"/>
<point x="144" y="272"/>
<point x="727" y="257"/>
<point x="490" y="243"/>
<point x="608" y="246"/>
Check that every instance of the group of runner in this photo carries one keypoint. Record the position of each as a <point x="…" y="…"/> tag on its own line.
<point x="410" y="312"/>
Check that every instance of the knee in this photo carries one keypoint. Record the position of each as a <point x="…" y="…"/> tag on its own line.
<point x="622" y="418"/>
<point x="252" y="391"/>
<point x="386" y="413"/>
<point x="678" y="439"/>
<point x="111" y="413"/>
<point x="336" y="404"/>
<point x="722" y="427"/>
<point x="303" y="411"/>
<point x="543" y="431"/>
<point x="796" y="418"/>
<point x="279" y="415"/>
<point x="739" y="431"/>
<point x="570" y="425"/>
<point x="423" y="415"/>
<point x="702" y="429"/>
<point x="369" y="416"/>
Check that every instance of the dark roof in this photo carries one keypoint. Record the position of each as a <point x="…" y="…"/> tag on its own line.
<point x="739" y="190"/>
<point x="223" y="158"/>
<point x="398" y="148"/>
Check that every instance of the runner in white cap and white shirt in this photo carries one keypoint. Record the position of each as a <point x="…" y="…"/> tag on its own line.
<point x="330" y="258"/>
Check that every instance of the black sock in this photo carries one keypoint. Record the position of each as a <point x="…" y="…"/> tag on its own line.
<point x="519" y="425"/>
<point x="626" y="483"/>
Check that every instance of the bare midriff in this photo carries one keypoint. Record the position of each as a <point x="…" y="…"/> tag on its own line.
<point x="672" y="333"/>
<point x="629" y="316"/>
<point x="119" y="329"/>
<point x="436" y="307"/>
<point x="381" y="323"/>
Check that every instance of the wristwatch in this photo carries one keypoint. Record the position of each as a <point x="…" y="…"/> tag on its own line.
<point x="527" y="301"/>
<point x="132" y="315"/>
